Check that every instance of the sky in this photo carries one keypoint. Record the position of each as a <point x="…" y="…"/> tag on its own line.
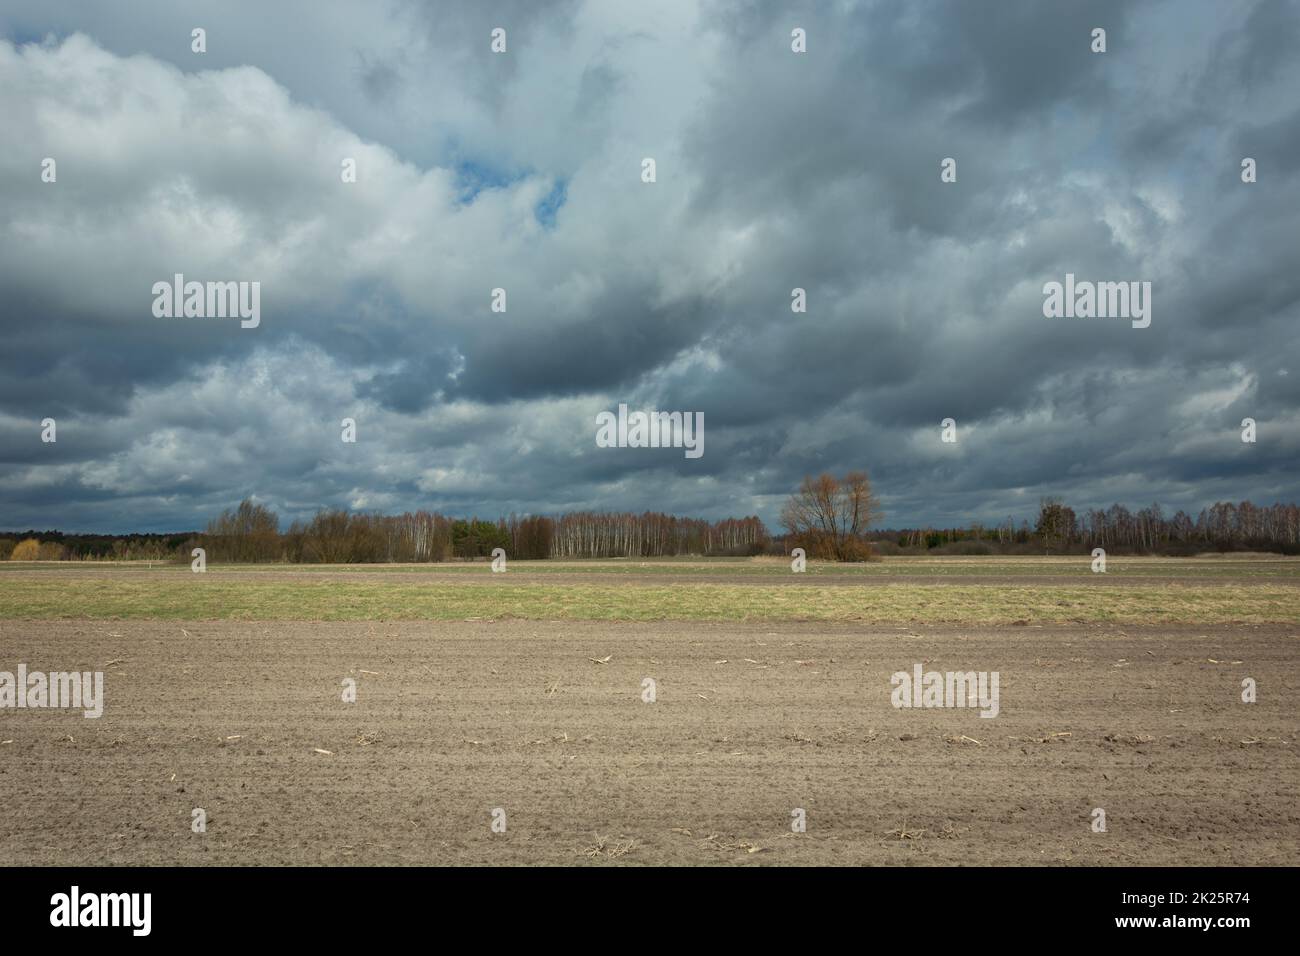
<point x="523" y="170"/>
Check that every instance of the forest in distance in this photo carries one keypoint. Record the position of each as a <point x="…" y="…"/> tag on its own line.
<point x="251" y="532"/>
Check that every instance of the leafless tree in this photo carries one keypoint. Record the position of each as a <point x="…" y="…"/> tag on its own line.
<point x="829" y="516"/>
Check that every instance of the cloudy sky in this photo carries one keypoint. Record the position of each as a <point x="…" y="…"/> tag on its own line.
<point x="522" y="170"/>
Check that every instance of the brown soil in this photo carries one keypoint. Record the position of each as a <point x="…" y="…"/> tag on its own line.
<point x="751" y="722"/>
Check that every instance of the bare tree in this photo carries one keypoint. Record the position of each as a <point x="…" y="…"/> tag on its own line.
<point x="326" y="538"/>
<point x="829" y="516"/>
<point x="251" y="532"/>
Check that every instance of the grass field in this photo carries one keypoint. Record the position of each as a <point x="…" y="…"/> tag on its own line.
<point x="1241" y="567"/>
<point x="902" y="590"/>
<point x="524" y="691"/>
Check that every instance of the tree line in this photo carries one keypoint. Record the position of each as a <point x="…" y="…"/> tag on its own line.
<point x="250" y="533"/>
<point x="829" y="517"/>
<point x="33" y="545"/>
<point x="1058" y="528"/>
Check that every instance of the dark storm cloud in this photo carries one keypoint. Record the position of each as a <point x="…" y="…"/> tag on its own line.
<point x="775" y="171"/>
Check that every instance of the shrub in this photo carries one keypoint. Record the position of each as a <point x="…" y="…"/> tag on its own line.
<point x="51" y="551"/>
<point x="28" y="550"/>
